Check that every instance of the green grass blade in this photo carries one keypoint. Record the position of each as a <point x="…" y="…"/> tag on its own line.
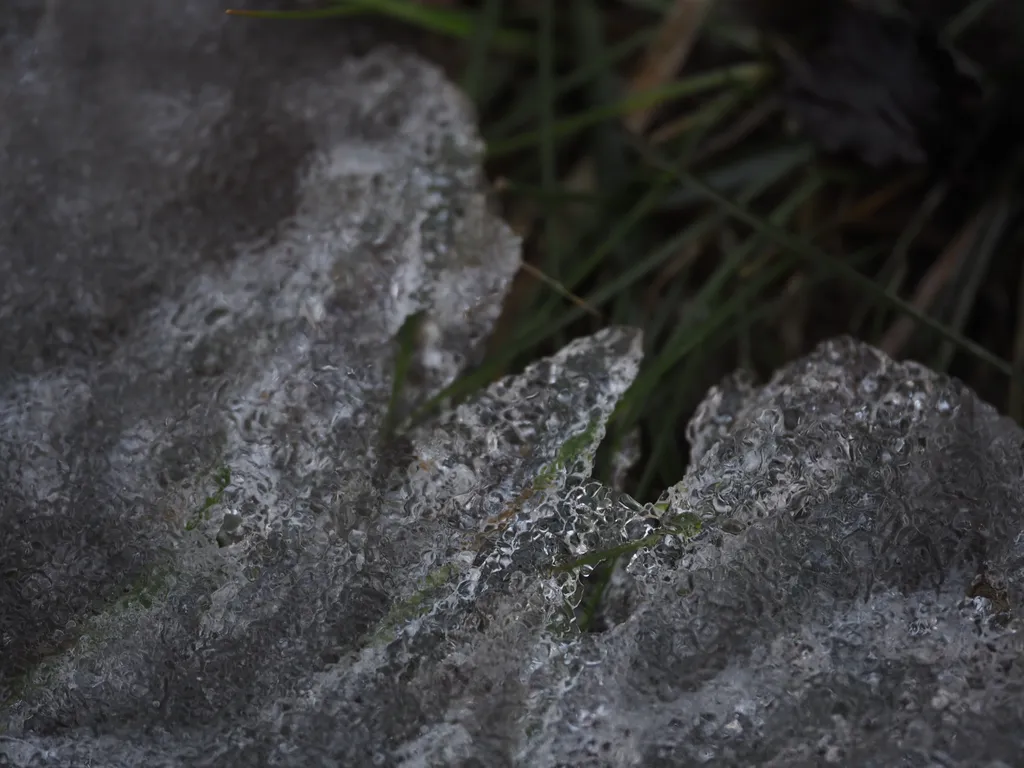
<point x="450" y="22"/>
<point x="333" y="12"/>
<point x="525" y="109"/>
<point x="967" y="17"/>
<point x="405" y="351"/>
<point x="548" y="167"/>
<point x="838" y="267"/>
<point x="480" y="47"/>
<point x="707" y="303"/>
<point x="658" y="189"/>
<point x="895" y="268"/>
<point x="773" y="163"/>
<point x="691" y="86"/>
<point x="978" y="265"/>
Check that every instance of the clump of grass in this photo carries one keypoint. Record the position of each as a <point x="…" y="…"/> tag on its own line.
<point x="640" y="149"/>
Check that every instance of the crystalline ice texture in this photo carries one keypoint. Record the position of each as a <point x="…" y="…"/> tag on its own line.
<point x="212" y="554"/>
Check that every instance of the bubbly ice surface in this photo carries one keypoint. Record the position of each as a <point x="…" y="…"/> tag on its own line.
<point x="212" y="553"/>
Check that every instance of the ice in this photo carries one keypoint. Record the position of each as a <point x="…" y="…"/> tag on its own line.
<point x="213" y="551"/>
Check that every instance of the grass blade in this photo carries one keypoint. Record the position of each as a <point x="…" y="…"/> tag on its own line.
<point x="691" y="86"/>
<point x="450" y="22"/>
<point x="815" y="257"/>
